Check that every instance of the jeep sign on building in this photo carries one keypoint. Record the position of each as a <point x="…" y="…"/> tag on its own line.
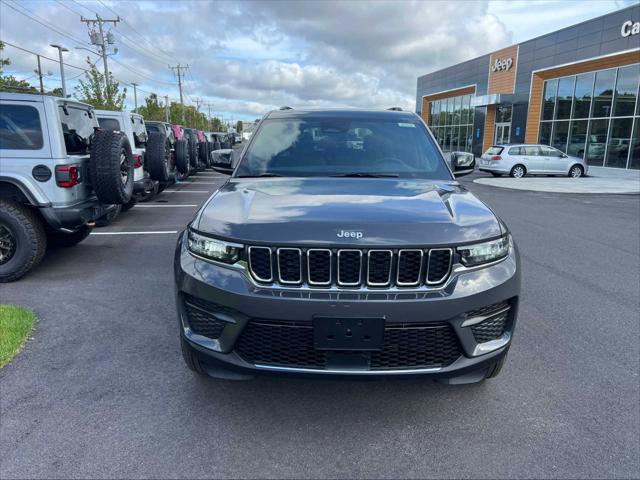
<point x="575" y="89"/>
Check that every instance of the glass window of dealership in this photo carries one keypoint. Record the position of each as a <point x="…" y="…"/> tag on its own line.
<point x="586" y="105"/>
<point x="595" y="116"/>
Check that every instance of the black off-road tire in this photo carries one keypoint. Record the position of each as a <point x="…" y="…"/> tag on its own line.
<point x="111" y="159"/>
<point x="129" y="205"/>
<point x="193" y="155"/>
<point x="62" y="239"/>
<point x="106" y="219"/>
<point x="203" y="151"/>
<point x="182" y="156"/>
<point x="190" y="358"/>
<point x="158" y="156"/>
<point x="27" y="236"/>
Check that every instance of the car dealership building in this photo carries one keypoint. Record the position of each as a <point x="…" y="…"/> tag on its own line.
<point x="575" y="89"/>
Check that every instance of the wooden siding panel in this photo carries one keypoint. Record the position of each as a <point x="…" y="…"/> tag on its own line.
<point x="489" y="127"/>
<point x="503" y="81"/>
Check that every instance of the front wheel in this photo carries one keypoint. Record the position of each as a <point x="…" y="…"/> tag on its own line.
<point x="518" y="171"/>
<point x="576" y="171"/>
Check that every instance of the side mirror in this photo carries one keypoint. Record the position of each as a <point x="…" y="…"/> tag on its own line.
<point x="222" y="161"/>
<point x="462" y="163"/>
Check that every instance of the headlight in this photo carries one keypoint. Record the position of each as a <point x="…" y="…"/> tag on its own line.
<point x="485" y="252"/>
<point x="213" y="249"/>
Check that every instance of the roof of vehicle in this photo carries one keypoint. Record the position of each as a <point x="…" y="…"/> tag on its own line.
<point x="113" y="113"/>
<point x="346" y="113"/>
<point x="505" y="145"/>
<point x="30" y="97"/>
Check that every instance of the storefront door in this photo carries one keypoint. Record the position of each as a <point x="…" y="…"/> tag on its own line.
<point x="503" y="133"/>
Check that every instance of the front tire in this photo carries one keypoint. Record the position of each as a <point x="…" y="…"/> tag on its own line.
<point x="190" y="358"/>
<point x="576" y="171"/>
<point x="23" y="241"/>
<point x="518" y="171"/>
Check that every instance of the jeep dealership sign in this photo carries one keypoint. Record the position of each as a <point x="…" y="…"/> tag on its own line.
<point x="629" y="28"/>
<point x="502" y="65"/>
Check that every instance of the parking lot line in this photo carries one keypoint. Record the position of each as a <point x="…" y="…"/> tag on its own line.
<point x="166" y="206"/>
<point x="135" y="233"/>
<point x="205" y="183"/>
<point x="186" y="191"/>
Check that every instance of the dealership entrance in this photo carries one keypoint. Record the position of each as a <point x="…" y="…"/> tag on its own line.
<point x="503" y="125"/>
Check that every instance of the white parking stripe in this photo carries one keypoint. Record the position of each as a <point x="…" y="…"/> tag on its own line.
<point x="186" y="191"/>
<point x="205" y="183"/>
<point x="133" y="233"/>
<point x="164" y="206"/>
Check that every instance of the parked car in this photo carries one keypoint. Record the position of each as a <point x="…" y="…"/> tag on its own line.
<point x="520" y="160"/>
<point x="59" y="173"/>
<point x="237" y="138"/>
<point x="132" y="125"/>
<point x="317" y="258"/>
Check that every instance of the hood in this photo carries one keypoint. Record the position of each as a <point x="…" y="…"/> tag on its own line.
<point x="318" y="211"/>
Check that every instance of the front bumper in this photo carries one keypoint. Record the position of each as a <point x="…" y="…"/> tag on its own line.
<point x="239" y="302"/>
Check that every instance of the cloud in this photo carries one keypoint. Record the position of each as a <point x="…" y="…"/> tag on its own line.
<point x="248" y="57"/>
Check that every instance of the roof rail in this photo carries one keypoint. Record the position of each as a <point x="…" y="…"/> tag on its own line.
<point x="285" y="108"/>
<point x="395" y="109"/>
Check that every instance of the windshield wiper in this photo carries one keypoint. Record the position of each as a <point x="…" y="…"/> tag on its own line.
<point x="259" y="175"/>
<point x="366" y="175"/>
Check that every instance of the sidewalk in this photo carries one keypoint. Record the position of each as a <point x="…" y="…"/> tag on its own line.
<point x="600" y="180"/>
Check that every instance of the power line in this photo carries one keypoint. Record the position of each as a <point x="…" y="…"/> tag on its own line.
<point x="42" y="22"/>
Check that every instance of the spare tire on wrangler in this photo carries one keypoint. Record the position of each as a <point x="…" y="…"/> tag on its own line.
<point x="158" y="156"/>
<point x="203" y="151"/>
<point x="182" y="156"/>
<point x="111" y="167"/>
<point x="193" y="154"/>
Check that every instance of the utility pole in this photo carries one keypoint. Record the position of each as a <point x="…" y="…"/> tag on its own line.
<point x="209" y="127"/>
<point x="99" y="38"/>
<point x="198" y="102"/>
<point x="166" y="108"/>
<point x="135" y="97"/>
<point x="60" y="50"/>
<point x="179" y="68"/>
<point x="39" y="72"/>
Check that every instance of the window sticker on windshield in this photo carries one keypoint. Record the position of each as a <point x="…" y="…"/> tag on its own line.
<point x="409" y="125"/>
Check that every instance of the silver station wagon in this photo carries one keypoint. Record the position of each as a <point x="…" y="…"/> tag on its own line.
<point x="520" y="160"/>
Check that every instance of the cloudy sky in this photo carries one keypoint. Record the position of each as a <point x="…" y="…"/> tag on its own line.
<point x="248" y="57"/>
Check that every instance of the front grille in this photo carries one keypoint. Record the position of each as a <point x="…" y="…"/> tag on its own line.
<point x="349" y="267"/>
<point x="290" y="344"/>
<point x="201" y="317"/>
<point x="439" y="265"/>
<point x="290" y="265"/>
<point x="323" y="267"/>
<point x="496" y="315"/>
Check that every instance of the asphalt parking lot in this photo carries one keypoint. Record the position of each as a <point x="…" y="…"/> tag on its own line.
<point x="101" y="389"/>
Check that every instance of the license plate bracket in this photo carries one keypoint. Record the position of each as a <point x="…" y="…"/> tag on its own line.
<point x="339" y="333"/>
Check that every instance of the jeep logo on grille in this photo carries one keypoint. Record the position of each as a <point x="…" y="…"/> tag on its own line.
<point x="349" y="234"/>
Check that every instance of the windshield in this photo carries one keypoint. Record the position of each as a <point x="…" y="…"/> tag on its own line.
<point x="343" y="146"/>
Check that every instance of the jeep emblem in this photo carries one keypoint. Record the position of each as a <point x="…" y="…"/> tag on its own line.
<point x="502" y="64"/>
<point x="349" y="234"/>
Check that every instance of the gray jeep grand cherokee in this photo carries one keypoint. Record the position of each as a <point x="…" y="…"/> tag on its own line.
<point x="342" y="244"/>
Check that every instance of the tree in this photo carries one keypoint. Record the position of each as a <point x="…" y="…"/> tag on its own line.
<point x="9" y="83"/>
<point x="239" y="126"/>
<point x="153" y="109"/>
<point x="103" y="95"/>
